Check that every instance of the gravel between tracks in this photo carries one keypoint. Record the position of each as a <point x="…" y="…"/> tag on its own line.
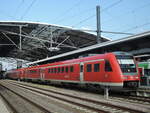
<point x="92" y="96"/>
<point x="18" y="103"/>
<point x="3" y="107"/>
<point x="51" y="104"/>
<point x="96" y="97"/>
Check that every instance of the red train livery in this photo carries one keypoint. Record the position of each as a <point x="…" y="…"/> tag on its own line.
<point x="116" y="69"/>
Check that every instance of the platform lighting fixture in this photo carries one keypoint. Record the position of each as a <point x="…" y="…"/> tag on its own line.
<point x="53" y="49"/>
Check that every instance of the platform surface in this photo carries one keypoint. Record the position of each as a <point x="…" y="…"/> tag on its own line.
<point x="145" y="87"/>
<point x="3" y="108"/>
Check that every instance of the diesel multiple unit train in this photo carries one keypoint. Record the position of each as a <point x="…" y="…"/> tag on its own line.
<point x="109" y="69"/>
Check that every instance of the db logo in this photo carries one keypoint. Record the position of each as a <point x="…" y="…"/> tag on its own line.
<point x="106" y="75"/>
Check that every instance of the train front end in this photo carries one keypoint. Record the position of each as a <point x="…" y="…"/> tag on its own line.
<point x="128" y="66"/>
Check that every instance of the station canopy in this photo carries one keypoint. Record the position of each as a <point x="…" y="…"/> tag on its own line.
<point x="33" y="41"/>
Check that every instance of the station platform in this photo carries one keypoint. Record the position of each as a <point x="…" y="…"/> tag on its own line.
<point x="3" y="108"/>
<point x="145" y="87"/>
<point x="143" y="91"/>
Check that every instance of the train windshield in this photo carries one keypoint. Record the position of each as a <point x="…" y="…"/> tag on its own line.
<point x="127" y="64"/>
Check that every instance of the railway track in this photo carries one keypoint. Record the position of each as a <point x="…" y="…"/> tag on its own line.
<point x="80" y="106"/>
<point x="18" y="103"/>
<point x="133" y="99"/>
<point x="9" y="105"/>
<point x="144" y="99"/>
<point x="83" y="102"/>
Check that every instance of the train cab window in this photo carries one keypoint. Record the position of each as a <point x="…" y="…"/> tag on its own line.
<point x="59" y="70"/>
<point x="66" y="69"/>
<point x="89" y="68"/>
<point x="71" y="69"/>
<point x="96" y="67"/>
<point x="62" y="69"/>
<point x="108" y="67"/>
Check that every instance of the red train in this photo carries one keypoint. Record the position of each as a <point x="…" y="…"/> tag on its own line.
<point x="116" y="69"/>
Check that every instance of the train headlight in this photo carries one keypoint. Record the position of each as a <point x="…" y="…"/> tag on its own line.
<point x="136" y="77"/>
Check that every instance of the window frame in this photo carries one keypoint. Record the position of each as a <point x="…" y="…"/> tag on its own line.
<point x="89" y="68"/>
<point x="58" y="70"/>
<point x="66" y="69"/>
<point x="71" y="68"/>
<point x="108" y="67"/>
<point x="62" y="69"/>
<point x="49" y="70"/>
<point x="96" y="67"/>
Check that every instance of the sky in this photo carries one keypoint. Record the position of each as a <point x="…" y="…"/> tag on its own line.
<point x="129" y="16"/>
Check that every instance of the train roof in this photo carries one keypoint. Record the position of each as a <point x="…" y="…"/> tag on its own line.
<point x="78" y="60"/>
<point x="145" y="65"/>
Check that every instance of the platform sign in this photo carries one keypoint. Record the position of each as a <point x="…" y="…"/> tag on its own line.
<point x="19" y="64"/>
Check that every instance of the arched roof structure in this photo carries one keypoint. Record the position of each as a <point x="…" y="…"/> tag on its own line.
<point x="33" y="41"/>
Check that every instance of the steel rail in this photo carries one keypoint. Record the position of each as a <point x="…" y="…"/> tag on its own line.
<point x="80" y="98"/>
<point x="12" y="108"/>
<point x="28" y="100"/>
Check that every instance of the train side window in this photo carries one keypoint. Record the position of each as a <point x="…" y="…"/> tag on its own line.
<point x="32" y="71"/>
<point x="59" y="70"/>
<point x="89" y="68"/>
<point x="62" y="69"/>
<point x="52" y="70"/>
<point x="49" y="70"/>
<point x="96" y="67"/>
<point x="107" y="66"/>
<point x="71" y="69"/>
<point x="55" y="70"/>
<point x="66" y="69"/>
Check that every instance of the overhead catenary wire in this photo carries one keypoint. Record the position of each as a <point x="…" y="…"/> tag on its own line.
<point x="28" y="9"/>
<point x="136" y="10"/>
<point x="132" y="28"/>
<point x="61" y="17"/>
<point x="138" y="26"/>
<point x="92" y="16"/>
<point x="73" y="16"/>
<point x="128" y="12"/>
<point x="112" y="5"/>
<point x="18" y="7"/>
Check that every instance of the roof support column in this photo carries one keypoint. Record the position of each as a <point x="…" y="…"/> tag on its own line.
<point x="98" y="24"/>
<point x="20" y="30"/>
<point x="51" y="36"/>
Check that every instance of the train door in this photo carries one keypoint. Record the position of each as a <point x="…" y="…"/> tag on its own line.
<point x="42" y="74"/>
<point x="94" y="71"/>
<point x="81" y="71"/>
